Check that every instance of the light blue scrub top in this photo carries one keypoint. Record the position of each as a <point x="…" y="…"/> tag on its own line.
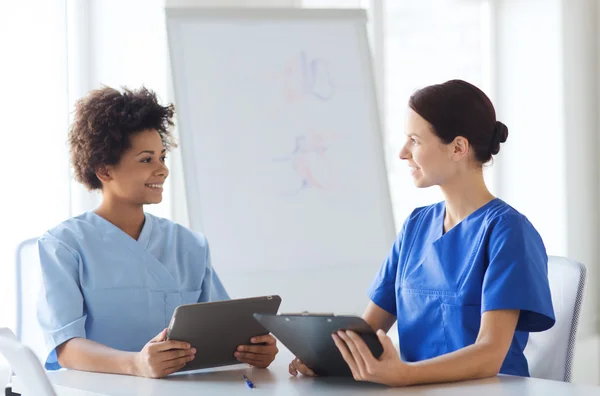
<point x="438" y="285"/>
<point x="103" y="285"/>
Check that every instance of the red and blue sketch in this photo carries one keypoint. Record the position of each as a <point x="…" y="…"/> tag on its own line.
<point x="310" y="162"/>
<point x="306" y="76"/>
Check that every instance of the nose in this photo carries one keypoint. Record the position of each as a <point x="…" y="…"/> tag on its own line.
<point x="162" y="170"/>
<point x="404" y="153"/>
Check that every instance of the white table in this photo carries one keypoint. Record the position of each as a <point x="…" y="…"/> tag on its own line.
<point x="277" y="381"/>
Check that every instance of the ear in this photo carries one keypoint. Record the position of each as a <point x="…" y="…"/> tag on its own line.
<point x="460" y="148"/>
<point x="104" y="174"/>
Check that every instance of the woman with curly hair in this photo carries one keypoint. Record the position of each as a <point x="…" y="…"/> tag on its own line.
<point x="112" y="277"/>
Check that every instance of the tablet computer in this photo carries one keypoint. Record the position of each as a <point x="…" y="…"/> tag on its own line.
<point x="216" y="329"/>
<point x="309" y="338"/>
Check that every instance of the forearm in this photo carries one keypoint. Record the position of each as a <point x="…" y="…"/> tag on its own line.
<point x="480" y="360"/>
<point x="378" y="318"/>
<point x="86" y="355"/>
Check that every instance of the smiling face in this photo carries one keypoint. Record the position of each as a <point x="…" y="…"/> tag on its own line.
<point x="139" y="176"/>
<point x="431" y="161"/>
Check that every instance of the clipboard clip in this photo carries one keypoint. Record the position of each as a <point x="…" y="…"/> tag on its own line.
<point x="306" y="313"/>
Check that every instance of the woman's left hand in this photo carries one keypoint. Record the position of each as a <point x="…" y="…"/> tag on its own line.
<point x="389" y="369"/>
<point x="258" y="355"/>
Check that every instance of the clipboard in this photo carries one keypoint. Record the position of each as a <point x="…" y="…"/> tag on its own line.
<point x="216" y="329"/>
<point x="309" y="338"/>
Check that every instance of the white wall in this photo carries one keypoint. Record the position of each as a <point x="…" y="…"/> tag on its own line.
<point x="33" y="103"/>
<point x="580" y="130"/>
<point x="528" y="97"/>
<point x="546" y="91"/>
<point x="79" y="83"/>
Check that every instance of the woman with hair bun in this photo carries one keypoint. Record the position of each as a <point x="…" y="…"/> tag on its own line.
<point x="466" y="278"/>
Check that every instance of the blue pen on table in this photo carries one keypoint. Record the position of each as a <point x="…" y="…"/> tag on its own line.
<point x="248" y="382"/>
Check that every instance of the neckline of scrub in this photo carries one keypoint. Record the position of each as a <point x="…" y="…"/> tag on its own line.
<point x="472" y="214"/>
<point x="143" y="238"/>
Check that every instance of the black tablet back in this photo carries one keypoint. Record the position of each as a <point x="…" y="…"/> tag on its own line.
<point x="309" y="338"/>
<point x="216" y="329"/>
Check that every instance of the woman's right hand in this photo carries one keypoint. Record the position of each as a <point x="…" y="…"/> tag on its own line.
<point x="160" y="358"/>
<point x="297" y="366"/>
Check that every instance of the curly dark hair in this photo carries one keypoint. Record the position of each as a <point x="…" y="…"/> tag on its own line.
<point x="104" y="121"/>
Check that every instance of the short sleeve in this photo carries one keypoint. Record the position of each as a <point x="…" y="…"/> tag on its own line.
<point x="212" y="287"/>
<point x="60" y="309"/>
<point x="517" y="275"/>
<point x="383" y="288"/>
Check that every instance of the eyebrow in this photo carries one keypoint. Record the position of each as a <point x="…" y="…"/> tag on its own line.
<point x="149" y="152"/>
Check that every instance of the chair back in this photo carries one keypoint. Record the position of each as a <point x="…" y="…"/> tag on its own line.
<point x="28" y="277"/>
<point x="550" y="353"/>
